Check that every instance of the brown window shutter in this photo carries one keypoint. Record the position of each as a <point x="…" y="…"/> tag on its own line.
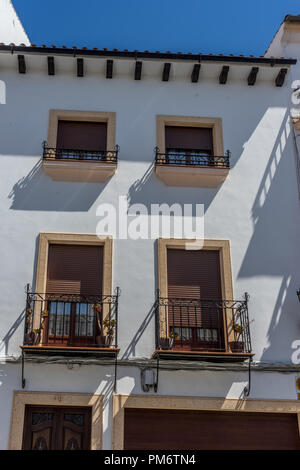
<point x="189" y="138"/>
<point x="78" y="135"/>
<point x="75" y="269"/>
<point x="194" y="275"/>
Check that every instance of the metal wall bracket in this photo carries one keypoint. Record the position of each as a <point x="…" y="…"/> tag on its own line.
<point x="23" y="365"/>
<point x="157" y="374"/>
<point x="116" y="372"/>
<point x="248" y="387"/>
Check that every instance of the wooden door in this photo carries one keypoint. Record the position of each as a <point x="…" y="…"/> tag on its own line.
<point x="57" y="428"/>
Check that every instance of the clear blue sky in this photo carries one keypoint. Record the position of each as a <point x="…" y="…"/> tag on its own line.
<point x="207" y="26"/>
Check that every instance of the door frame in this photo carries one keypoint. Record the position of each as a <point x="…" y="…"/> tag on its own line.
<point x="121" y="402"/>
<point x="21" y="399"/>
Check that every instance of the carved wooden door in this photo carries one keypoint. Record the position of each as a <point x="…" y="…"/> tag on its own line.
<point x="57" y="428"/>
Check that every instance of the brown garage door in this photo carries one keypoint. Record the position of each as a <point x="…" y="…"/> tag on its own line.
<point x="183" y="430"/>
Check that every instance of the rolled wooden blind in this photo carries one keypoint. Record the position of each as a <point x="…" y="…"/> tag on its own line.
<point x="78" y="135"/>
<point x="192" y="138"/>
<point x="194" y="275"/>
<point x="75" y="269"/>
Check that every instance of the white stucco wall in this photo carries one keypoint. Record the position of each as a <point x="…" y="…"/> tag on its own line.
<point x="256" y="209"/>
<point x="11" y="29"/>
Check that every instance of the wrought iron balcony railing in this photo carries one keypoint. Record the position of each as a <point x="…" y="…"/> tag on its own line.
<point x="192" y="158"/>
<point x="203" y="325"/>
<point x="64" y="320"/>
<point x="108" y="156"/>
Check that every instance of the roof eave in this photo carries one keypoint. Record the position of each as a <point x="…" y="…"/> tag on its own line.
<point x="75" y="52"/>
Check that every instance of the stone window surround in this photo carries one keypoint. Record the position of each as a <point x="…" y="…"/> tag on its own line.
<point x="47" y="238"/>
<point x="190" y="121"/>
<point x="56" y="115"/>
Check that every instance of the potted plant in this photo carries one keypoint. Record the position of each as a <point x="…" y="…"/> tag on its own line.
<point x="237" y="345"/>
<point x="45" y="314"/>
<point x="33" y="337"/>
<point x="110" y="330"/>
<point x="97" y="308"/>
<point x="168" y="343"/>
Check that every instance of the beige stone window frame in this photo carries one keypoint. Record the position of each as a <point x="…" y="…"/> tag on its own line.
<point x="214" y="123"/>
<point x="47" y="238"/>
<point x="222" y="246"/>
<point x="21" y="399"/>
<point x="56" y="115"/>
<point x="121" y="402"/>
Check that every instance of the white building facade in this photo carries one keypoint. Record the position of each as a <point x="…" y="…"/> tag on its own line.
<point x="178" y="347"/>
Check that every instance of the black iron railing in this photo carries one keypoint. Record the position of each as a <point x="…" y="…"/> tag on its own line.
<point x="202" y="325"/>
<point x="108" y="156"/>
<point x="71" y="320"/>
<point x="192" y="158"/>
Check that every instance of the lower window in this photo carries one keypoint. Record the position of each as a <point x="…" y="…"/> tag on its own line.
<point x="57" y="428"/>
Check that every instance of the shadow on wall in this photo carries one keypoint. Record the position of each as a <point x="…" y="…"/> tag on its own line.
<point x="268" y="253"/>
<point x="19" y="322"/>
<point x="130" y="351"/>
<point x="37" y="192"/>
<point x="149" y="189"/>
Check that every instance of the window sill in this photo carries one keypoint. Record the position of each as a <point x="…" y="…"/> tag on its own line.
<point x="173" y="175"/>
<point x="79" y="171"/>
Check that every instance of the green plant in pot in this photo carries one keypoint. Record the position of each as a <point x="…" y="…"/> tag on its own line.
<point x="109" y="326"/>
<point x="237" y="345"/>
<point x="168" y="343"/>
<point x="45" y="314"/>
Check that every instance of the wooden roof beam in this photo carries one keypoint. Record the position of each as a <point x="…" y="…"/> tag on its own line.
<point x="195" y="73"/>
<point x="224" y="75"/>
<point x="21" y="64"/>
<point x="138" y="70"/>
<point x="51" y="67"/>
<point x="166" y="72"/>
<point x="109" y="68"/>
<point x="252" y="76"/>
<point x="80" y="70"/>
<point x="279" y="81"/>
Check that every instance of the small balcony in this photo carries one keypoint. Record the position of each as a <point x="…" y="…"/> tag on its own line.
<point x="194" y="329"/>
<point x="94" y="166"/>
<point x="191" y="168"/>
<point x="68" y="325"/>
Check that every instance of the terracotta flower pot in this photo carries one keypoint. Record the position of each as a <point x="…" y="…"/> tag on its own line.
<point x="166" y="343"/>
<point x="237" y="346"/>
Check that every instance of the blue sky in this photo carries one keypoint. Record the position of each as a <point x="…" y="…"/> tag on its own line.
<point x="206" y="26"/>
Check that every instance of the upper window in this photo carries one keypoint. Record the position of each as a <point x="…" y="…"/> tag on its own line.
<point x="196" y="145"/>
<point x="188" y="145"/>
<point x="72" y="305"/>
<point x="194" y="309"/>
<point x="87" y="137"/>
<point x="82" y="135"/>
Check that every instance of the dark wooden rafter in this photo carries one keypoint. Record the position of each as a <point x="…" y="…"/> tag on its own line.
<point x="252" y="76"/>
<point x="195" y="73"/>
<point x="281" y="77"/>
<point x="109" y="68"/>
<point x="224" y="75"/>
<point x="166" y="72"/>
<point x="80" y="71"/>
<point x="138" y="70"/>
<point x="51" y="67"/>
<point x="21" y="64"/>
